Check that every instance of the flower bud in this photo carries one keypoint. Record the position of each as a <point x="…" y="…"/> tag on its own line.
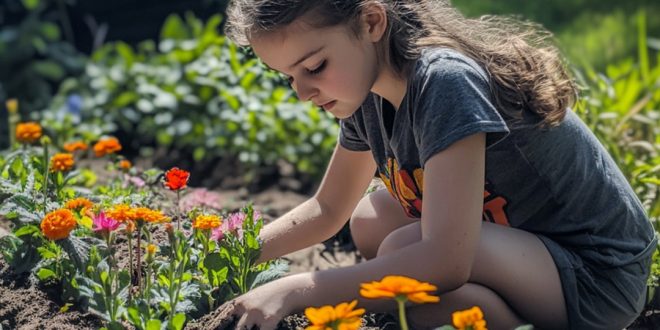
<point x="12" y="105"/>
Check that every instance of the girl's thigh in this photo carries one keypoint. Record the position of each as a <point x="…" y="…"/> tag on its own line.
<point x="515" y="264"/>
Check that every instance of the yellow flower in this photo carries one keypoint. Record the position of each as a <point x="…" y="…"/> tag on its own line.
<point x="58" y="224"/>
<point x="130" y="227"/>
<point x="28" y="132"/>
<point x="341" y="317"/>
<point x="207" y="221"/>
<point x="106" y="146"/>
<point x="74" y="146"/>
<point x="151" y="249"/>
<point x="399" y="286"/>
<point x="12" y="105"/>
<point x="472" y="318"/>
<point x="61" y="162"/>
<point x="78" y="204"/>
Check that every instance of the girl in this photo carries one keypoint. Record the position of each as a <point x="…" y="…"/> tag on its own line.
<point x="497" y="193"/>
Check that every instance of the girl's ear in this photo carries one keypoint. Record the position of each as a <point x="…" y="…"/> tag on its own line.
<point x="374" y="21"/>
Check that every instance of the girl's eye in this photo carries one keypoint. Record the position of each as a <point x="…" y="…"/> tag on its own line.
<point x="318" y="69"/>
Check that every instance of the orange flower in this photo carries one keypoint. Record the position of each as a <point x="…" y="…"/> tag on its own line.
<point x="176" y="178"/>
<point x="61" y="162"/>
<point x="120" y="212"/>
<point x="106" y="146"/>
<point x="399" y="286"/>
<point x="58" y="224"/>
<point x="207" y="221"/>
<point x="78" y="204"/>
<point x="74" y="146"/>
<point x="147" y="215"/>
<point x="130" y="227"/>
<point x="472" y="318"/>
<point x="342" y="317"/>
<point x="125" y="165"/>
<point x="28" y="132"/>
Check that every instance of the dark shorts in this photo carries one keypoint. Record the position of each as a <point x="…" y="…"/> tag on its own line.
<point x="600" y="298"/>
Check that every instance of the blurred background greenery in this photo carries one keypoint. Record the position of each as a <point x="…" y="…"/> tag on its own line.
<point x="160" y="75"/>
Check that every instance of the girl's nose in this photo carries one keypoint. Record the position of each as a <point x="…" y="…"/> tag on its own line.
<point x="304" y="90"/>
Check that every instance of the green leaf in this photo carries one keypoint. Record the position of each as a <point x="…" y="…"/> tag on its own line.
<point x="26" y="230"/>
<point x="177" y="322"/>
<point x="49" y="69"/>
<point x="30" y="4"/>
<point x="46" y="253"/>
<point x="174" y="28"/>
<point x="445" y="327"/>
<point x="44" y="274"/>
<point x="153" y="324"/>
<point x="525" y="327"/>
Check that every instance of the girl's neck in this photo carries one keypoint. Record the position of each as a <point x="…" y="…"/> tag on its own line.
<point x="390" y="86"/>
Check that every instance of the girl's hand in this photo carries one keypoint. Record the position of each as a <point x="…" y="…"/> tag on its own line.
<point x="262" y="307"/>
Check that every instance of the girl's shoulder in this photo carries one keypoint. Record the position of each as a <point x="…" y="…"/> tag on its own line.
<point x="447" y="62"/>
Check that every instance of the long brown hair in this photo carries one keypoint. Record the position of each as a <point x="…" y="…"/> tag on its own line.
<point x="528" y="76"/>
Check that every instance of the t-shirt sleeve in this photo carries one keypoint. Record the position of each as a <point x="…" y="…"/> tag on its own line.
<point x="454" y="102"/>
<point x="349" y="136"/>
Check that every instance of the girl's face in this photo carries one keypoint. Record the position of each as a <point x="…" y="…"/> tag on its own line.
<point x="332" y="67"/>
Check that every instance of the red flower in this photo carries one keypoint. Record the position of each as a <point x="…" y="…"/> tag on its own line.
<point x="176" y="178"/>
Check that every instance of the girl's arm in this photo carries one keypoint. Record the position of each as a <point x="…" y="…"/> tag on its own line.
<point x="450" y="229"/>
<point x="346" y="179"/>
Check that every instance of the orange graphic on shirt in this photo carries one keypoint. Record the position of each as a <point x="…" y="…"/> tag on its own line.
<point x="408" y="190"/>
<point x="494" y="207"/>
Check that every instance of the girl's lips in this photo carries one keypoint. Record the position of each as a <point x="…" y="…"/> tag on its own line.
<point x="329" y="105"/>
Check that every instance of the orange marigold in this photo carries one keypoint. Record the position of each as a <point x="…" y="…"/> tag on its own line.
<point x="61" y="162"/>
<point x="210" y="221"/>
<point x="120" y="212"/>
<point x="176" y="178"/>
<point x="28" y="132"/>
<point x="78" y="204"/>
<point x="58" y="224"/>
<point x="74" y="146"/>
<point x="125" y="165"/>
<point x="148" y="215"/>
<point x="106" y="146"/>
<point x="342" y="316"/>
<point x="151" y="249"/>
<point x="472" y="318"/>
<point x="130" y="227"/>
<point x="399" y="286"/>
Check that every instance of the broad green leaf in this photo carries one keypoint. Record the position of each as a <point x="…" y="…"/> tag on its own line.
<point x="44" y="274"/>
<point x="153" y="325"/>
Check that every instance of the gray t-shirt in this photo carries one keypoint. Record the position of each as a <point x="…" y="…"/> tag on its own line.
<point x="560" y="182"/>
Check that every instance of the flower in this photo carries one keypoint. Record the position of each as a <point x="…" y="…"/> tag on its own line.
<point x="472" y="318"/>
<point x="210" y="221"/>
<point x="130" y="227"/>
<point x="125" y="164"/>
<point x="217" y="234"/>
<point x="106" y="146"/>
<point x="58" y="224"/>
<point x="61" y="162"/>
<point x="12" y="105"/>
<point x="102" y="223"/>
<point x="151" y="249"/>
<point x="200" y="197"/>
<point x="74" y="146"/>
<point x="176" y="178"/>
<point x="78" y="204"/>
<point x="342" y="316"/>
<point x="28" y="132"/>
<point x="399" y="286"/>
<point x="147" y="215"/>
<point x="120" y="212"/>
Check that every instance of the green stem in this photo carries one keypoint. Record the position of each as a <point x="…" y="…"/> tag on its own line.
<point x="402" y="312"/>
<point x="178" y="210"/>
<point x="45" y="168"/>
<point x="130" y="258"/>
<point x="139" y="260"/>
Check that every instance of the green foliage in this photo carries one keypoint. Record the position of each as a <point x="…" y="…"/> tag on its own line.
<point x="199" y="93"/>
<point x="34" y="57"/>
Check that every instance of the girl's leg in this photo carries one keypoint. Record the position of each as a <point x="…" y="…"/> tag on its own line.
<point x="513" y="273"/>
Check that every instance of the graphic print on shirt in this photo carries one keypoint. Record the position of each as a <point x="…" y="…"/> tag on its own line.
<point x="494" y="207"/>
<point x="408" y="190"/>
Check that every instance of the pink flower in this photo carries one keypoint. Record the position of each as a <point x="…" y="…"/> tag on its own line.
<point x="233" y="224"/>
<point x="103" y="223"/>
<point x="200" y="197"/>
